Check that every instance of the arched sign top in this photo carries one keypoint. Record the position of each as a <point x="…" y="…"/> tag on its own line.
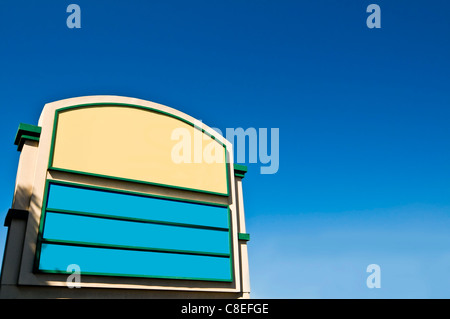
<point x="140" y="144"/>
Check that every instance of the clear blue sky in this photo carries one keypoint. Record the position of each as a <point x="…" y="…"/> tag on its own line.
<point x="363" y="116"/>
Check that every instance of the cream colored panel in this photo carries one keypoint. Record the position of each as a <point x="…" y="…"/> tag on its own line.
<point x="137" y="144"/>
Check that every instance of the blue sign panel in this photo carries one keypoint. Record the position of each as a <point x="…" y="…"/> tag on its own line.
<point x="109" y="232"/>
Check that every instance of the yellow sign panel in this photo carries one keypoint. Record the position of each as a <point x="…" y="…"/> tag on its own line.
<point x="138" y="144"/>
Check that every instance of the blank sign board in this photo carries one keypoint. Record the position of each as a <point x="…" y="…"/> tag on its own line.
<point x="143" y="198"/>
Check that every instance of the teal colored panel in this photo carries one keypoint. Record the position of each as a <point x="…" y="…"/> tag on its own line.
<point x="96" y="201"/>
<point x="104" y="261"/>
<point x="88" y="229"/>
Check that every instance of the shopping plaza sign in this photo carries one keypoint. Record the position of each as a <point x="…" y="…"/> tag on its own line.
<point x="98" y="186"/>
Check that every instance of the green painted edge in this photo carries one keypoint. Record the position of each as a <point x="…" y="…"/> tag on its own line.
<point x="231" y="244"/>
<point x="40" y="239"/>
<point x="134" y="248"/>
<point x="244" y="236"/>
<point x="37" y="256"/>
<point x="114" y="190"/>
<point x="227" y="164"/>
<point x="146" y="108"/>
<point x="132" y="180"/>
<point x="26" y="132"/>
<point x="132" y="219"/>
<point x="52" y="143"/>
<point x="27" y="129"/>
<point x="132" y="275"/>
<point x="106" y="104"/>
<point x="240" y="170"/>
